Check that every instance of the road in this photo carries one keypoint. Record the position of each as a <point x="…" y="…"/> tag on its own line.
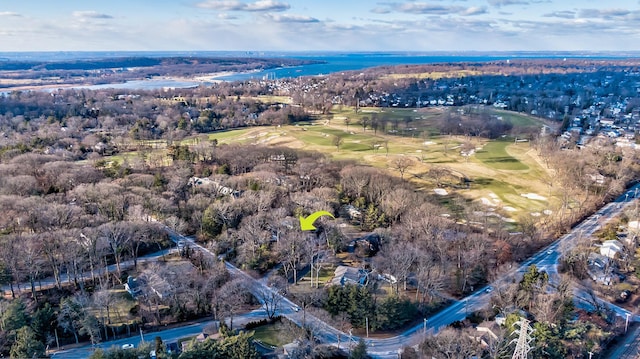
<point x="546" y="259"/>
<point x="629" y="348"/>
<point x="168" y="336"/>
<point x="67" y="279"/>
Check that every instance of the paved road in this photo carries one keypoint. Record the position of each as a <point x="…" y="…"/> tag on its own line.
<point x="168" y="335"/>
<point x="546" y="259"/>
<point x="67" y="279"/>
<point x="629" y="348"/>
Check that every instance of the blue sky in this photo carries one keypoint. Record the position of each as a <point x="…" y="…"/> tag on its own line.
<point x="320" y="25"/>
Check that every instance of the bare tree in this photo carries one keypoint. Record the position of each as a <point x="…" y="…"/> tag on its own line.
<point x="338" y="141"/>
<point x="116" y="235"/>
<point x="234" y="296"/>
<point x="401" y="164"/>
<point x="397" y="259"/>
<point x="451" y="344"/>
<point x="271" y="297"/>
<point x="293" y="249"/>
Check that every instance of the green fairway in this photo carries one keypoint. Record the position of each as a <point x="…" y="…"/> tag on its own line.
<point x="518" y="119"/>
<point x="227" y="136"/>
<point x="494" y="155"/>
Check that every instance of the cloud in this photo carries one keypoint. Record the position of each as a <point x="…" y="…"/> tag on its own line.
<point x="9" y="13"/>
<point x="291" y="18"/>
<point x="91" y="15"/>
<point x="423" y="8"/>
<point x="499" y="3"/>
<point x="225" y="16"/>
<point x="236" y="5"/>
<point x="565" y="14"/>
<point x="604" y="13"/>
<point x="426" y="8"/>
<point x="380" y="10"/>
<point x="267" y="5"/>
<point x="474" y="10"/>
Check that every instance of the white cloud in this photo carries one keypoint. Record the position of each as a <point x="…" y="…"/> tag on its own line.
<point x="380" y="10"/>
<point x="604" y="13"/>
<point x="267" y="5"/>
<point x="565" y="14"/>
<point x="426" y="8"/>
<point x="474" y="10"/>
<point x="236" y="5"/>
<point x="291" y="18"/>
<point x="225" y="16"/>
<point x="499" y="3"/>
<point x="423" y="8"/>
<point x="9" y="13"/>
<point x="90" y="15"/>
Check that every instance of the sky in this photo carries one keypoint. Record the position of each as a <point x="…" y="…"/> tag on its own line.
<point x="320" y="25"/>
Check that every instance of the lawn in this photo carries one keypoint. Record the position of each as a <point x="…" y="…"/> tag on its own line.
<point x="518" y="119"/>
<point x="119" y="310"/>
<point x="270" y="334"/>
<point x="491" y="169"/>
<point x="494" y="155"/>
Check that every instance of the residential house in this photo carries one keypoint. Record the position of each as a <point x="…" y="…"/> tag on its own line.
<point x="349" y="275"/>
<point x="611" y="248"/>
<point x="599" y="268"/>
<point x="133" y="286"/>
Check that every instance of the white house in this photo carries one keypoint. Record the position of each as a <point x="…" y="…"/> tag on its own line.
<point x="611" y="248"/>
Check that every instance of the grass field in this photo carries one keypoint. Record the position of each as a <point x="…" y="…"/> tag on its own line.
<point x="119" y="309"/>
<point x="494" y="154"/>
<point x="501" y="171"/>
<point x="270" y="334"/>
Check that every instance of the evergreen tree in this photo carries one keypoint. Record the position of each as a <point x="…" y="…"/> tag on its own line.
<point x="14" y="317"/>
<point x="27" y="345"/>
<point x="43" y="321"/>
<point x="359" y="351"/>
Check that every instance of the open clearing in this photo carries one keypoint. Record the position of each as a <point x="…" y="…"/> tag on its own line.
<point x="502" y="169"/>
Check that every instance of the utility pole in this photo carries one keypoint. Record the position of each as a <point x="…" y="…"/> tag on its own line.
<point x="367" y="320"/>
<point x="424" y="327"/>
<point x="523" y="341"/>
<point x="590" y="355"/>
<point x="626" y="323"/>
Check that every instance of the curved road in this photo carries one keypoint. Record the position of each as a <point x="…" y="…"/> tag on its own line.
<point x="546" y="259"/>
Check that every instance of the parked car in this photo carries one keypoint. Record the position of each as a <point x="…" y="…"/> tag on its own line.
<point x="127" y="346"/>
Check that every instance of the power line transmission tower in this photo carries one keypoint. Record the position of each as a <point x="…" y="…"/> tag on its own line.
<point x="523" y="340"/>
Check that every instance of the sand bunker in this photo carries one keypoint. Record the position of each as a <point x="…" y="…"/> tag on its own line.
<point x="534" y="196"/>
<point x="441" y="191"/>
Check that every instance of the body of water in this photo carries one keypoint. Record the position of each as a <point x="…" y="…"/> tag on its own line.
<point x="351" y="62"/>
<point x="331" y="62"/>
<point x="152" y="84"/>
